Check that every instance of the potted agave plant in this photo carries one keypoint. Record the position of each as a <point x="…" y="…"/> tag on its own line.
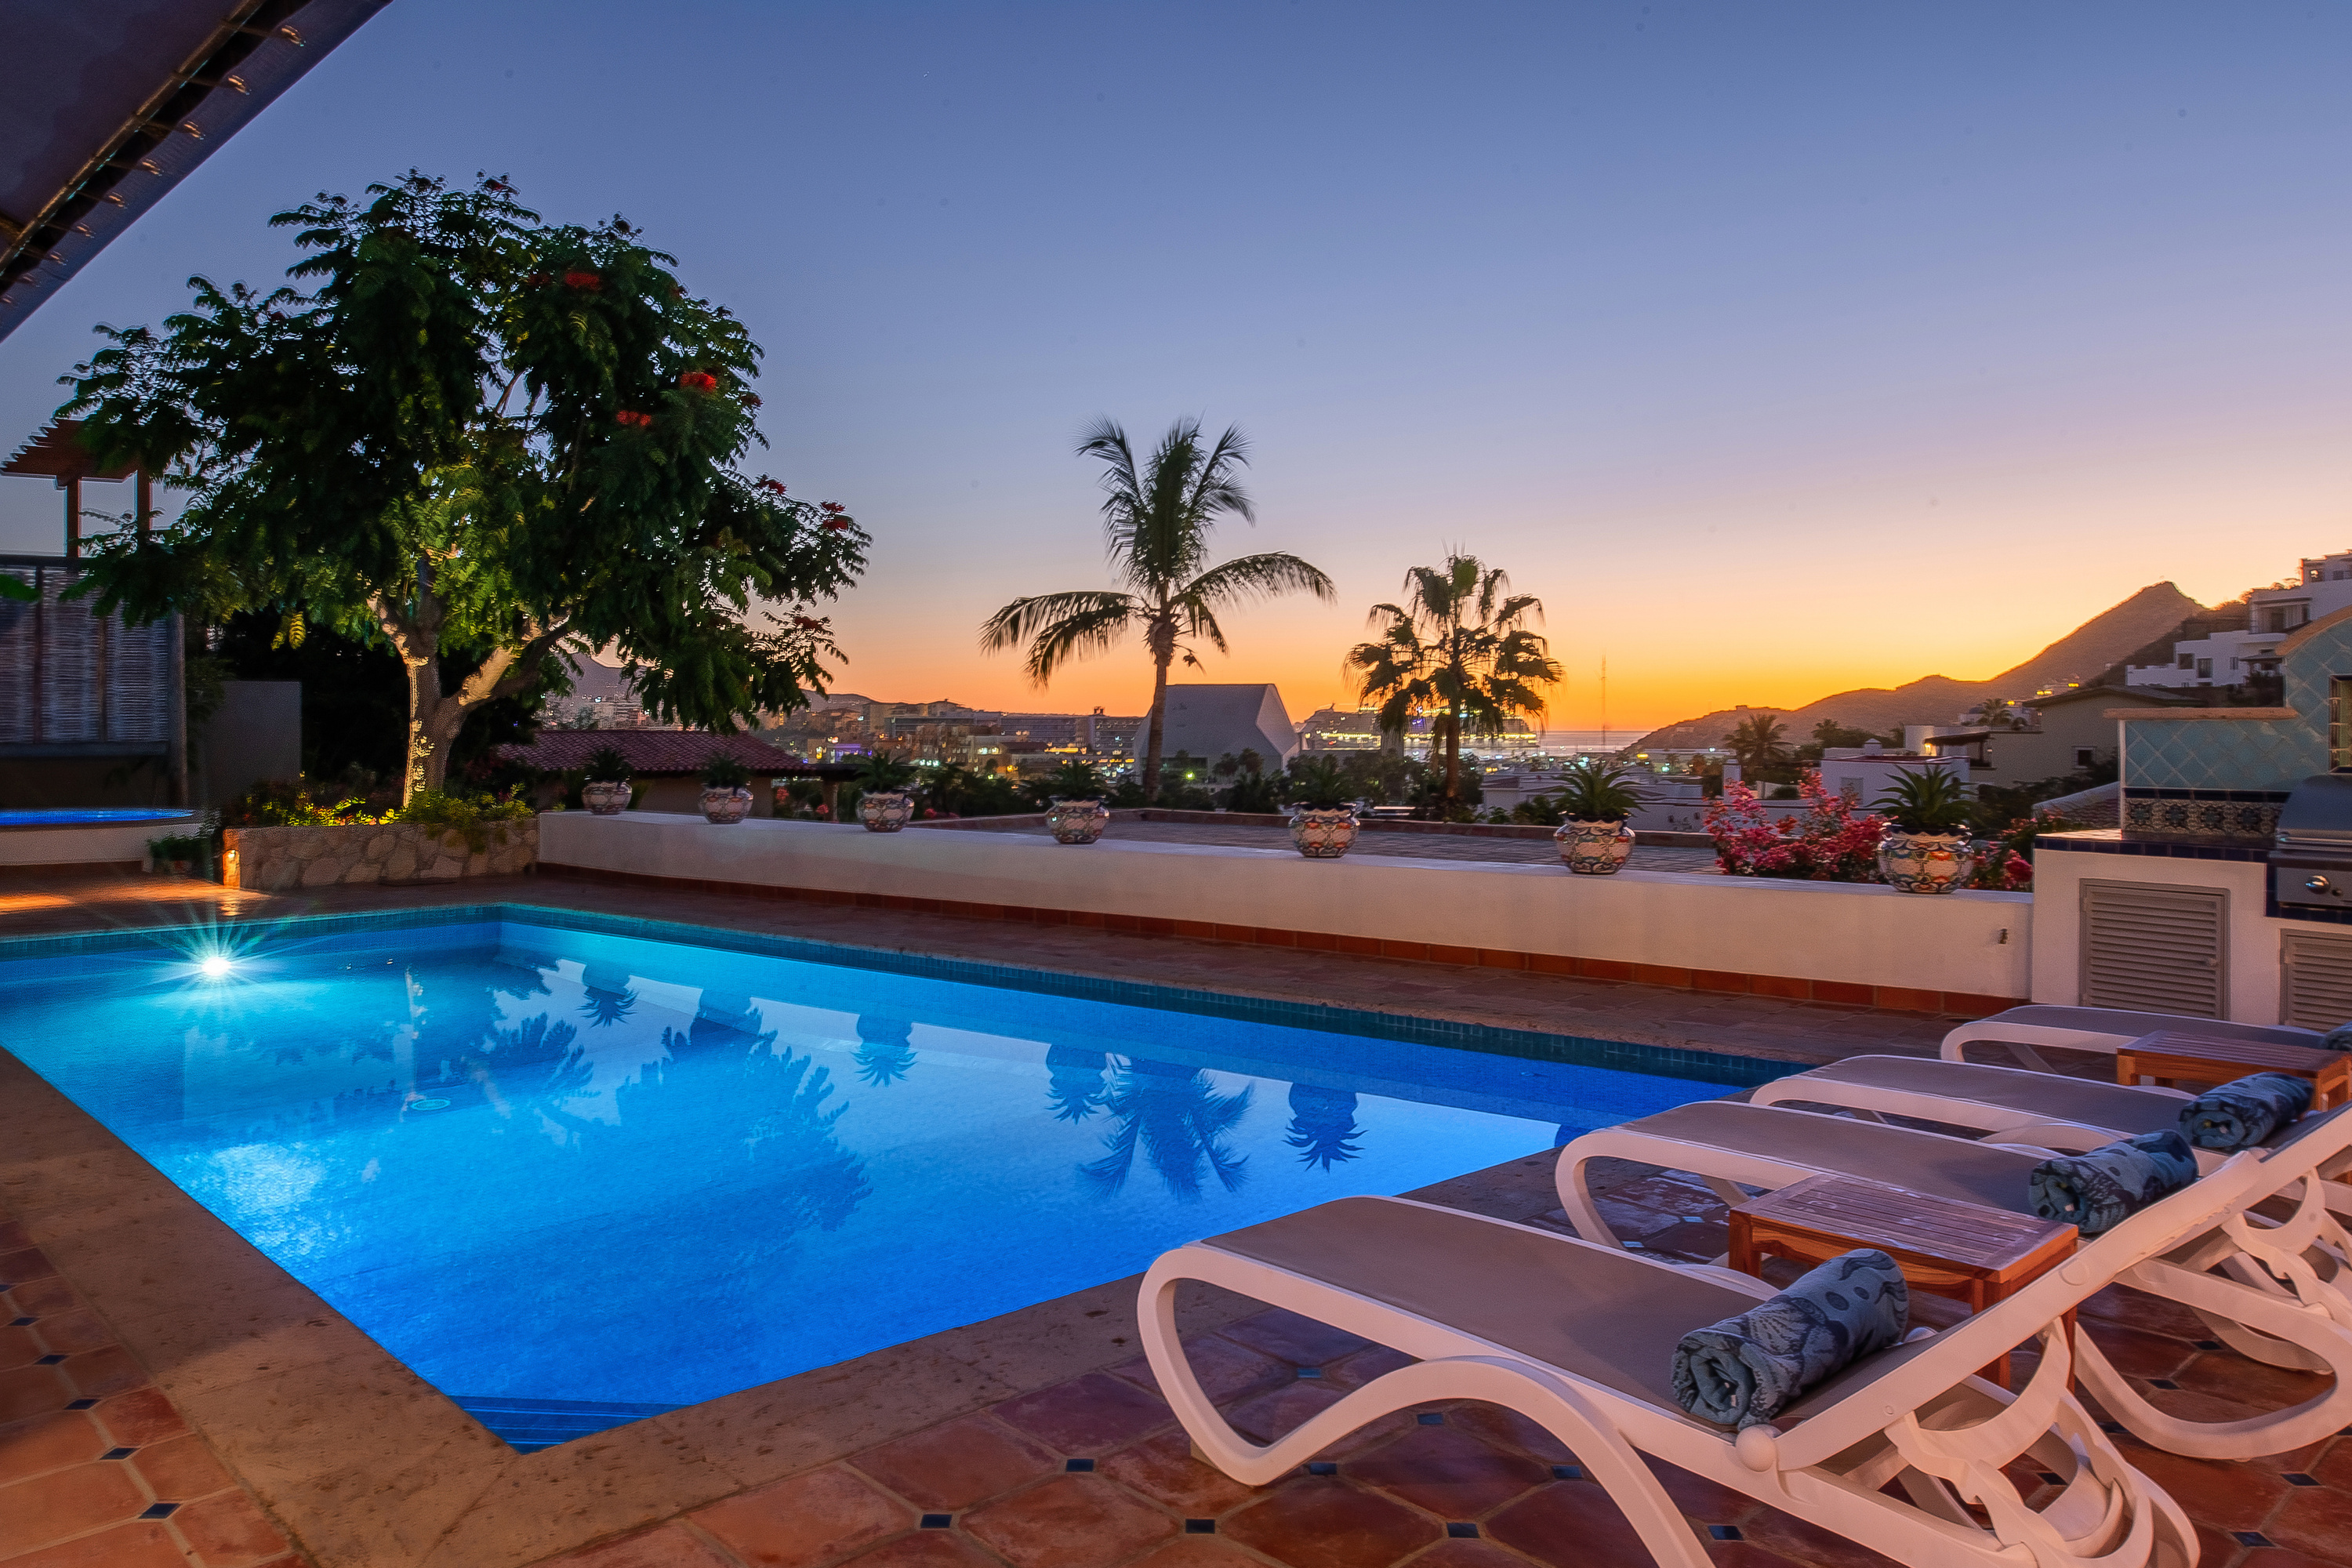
<point x="886" y="805"/>
<point x="726" y="789"/>
<point x="608" y="792"/>
<point x="1076" y="814"/>
<point x="1925" y="849"/>
<point x="1322" y="810"/>
<point x="1595" y="800"/>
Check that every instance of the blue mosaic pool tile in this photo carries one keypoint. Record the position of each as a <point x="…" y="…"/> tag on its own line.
<point x="160" y="1510"/>
<point x="118" y="1453"/>
<point x="1430" y="1419"/>
<point x="1078" y="1466"/>
<point x="1567" y="1473"/>
<point x="1321" y="1468"/>
<point x="937" y="1521"/>
<point x="1199" y="1527"/>
<point x="1459" y="1529"/>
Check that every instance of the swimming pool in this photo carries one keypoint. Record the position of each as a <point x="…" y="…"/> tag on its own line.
<point x="574" y="1170"/>
<point x="87" y="815"/>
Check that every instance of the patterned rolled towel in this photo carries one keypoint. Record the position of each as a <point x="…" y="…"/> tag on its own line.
<point x="2098" y="1190"/>
<point x="2242" y="1112"/>
<point x="1747" y="1369"/>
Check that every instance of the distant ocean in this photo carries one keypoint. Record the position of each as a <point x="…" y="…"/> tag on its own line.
<point x="1589" y="739"/>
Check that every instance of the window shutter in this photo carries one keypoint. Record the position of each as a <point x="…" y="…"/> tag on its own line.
<point x="2314" y="980"/>
<point x="2155" y="949"/>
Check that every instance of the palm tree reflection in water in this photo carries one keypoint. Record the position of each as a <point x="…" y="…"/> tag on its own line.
<point x="884" y="1053"/>
<point x="1323" y="1125"/>
<point x="1180" y="1123"/>
<point x="1076" y="1077"/>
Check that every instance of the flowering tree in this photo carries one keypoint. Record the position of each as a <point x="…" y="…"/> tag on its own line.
<point x="480" y="440"/>
<point x="1830" y="842"/>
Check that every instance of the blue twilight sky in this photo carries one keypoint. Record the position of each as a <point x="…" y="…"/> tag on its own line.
<point x="1780" y="347"/>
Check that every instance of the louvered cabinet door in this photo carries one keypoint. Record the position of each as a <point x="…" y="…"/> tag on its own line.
<point x="2315" y="980"/>
<point x="2155" y="949"/>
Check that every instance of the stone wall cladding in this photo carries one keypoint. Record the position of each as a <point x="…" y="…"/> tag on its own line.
<point x="282" y="859"/>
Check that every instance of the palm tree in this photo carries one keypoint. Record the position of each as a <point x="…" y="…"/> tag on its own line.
<point x="1157" y="519"/>
<point x="1458" y="647"/>
<point x="1757" y="744"/>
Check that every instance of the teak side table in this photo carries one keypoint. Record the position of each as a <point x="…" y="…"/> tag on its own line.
<point x="2169" y="1056"/>
<point x="1964" y="1252"/>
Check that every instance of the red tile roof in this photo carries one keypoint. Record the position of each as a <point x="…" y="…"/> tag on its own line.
<point x="649" y="750"/>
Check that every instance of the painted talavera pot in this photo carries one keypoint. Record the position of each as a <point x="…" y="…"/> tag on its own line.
<point x="1923" y="862"/>
<point x="605" y="797"/>
<point x="1077" y="821"/>
<point x="724" y="806"/>
<point x="1593" y="848"/>
<point x="1323" y="835"/>
<point x="885" y="810"/>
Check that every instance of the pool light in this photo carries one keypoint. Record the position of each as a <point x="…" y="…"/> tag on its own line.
<point x="214" y="966"/>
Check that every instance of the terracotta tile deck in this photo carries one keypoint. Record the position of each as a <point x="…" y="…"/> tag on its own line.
<point x="185" y="1437"/>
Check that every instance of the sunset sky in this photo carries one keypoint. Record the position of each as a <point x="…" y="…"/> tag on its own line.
<point x="1778" y="347"/>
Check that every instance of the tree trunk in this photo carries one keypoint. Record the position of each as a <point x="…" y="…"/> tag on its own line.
<point x="1159" y="712"/>
<point x="1452" y="756"/>
<point x="433" y="722"/>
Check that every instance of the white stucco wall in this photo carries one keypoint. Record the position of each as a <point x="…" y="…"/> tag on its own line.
<point x="110" y="843"/>
<point x="2253" y="957"/>
<point x="1868" y="936"/>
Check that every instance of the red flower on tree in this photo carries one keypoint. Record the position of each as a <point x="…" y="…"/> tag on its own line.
<point x="749" y="401"/>
<point x="587" y="280"/>
<point x="698" y="380"/>
<point x="633" y="420"/>
<point x="774" y="487"/>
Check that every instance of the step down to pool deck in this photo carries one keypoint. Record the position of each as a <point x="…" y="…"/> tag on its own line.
<point x="527" y="1425"/>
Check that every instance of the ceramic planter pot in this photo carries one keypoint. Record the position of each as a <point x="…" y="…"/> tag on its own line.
<point x="724" y="806"/>
<point x="885" y="811"/>
<point x="1923" y="862"/>
<point x="606" y="797"/>
<point x="1323" y="835"/>
<point x="1593" y="848"/>
<point x="1077" y="821"/>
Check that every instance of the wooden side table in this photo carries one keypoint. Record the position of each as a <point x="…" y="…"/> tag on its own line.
<point x="1964" y="1252"/>
<point x="2170" y="1057"/>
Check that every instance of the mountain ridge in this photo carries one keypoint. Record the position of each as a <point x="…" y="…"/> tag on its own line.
<point x="2082" y="655"/>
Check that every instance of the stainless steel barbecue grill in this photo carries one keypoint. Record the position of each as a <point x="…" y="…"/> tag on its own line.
<point x="2311" y="869"/>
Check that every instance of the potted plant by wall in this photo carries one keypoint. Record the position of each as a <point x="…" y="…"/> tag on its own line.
<point x="608" y="790"/>
<point x="1926" y="846"/>
<point x="726" y="789"/>
<point x="1322" y="809"/>
<point x="177" y="852"/>
<point x="1594" y="800"/>
<point x="884" y="806"/>
<point x="1076" y="813"/>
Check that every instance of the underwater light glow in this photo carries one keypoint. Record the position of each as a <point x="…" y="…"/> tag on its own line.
<point x="215" y="967"/>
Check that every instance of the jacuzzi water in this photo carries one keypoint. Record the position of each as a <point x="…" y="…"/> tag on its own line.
<point x="85" y="815"/>
<point x="571" y="1177"/>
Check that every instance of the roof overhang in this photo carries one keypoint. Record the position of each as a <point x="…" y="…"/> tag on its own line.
<point x="107" y="104"/>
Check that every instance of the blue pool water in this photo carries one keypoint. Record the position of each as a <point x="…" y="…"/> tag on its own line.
<point x="84" y="815"/>
<point x="571" y="1171"/>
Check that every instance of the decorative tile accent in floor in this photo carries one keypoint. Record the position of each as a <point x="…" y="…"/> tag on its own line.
<point x="96" y="1466"/>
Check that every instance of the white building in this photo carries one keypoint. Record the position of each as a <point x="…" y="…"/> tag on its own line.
<point x="1865" y="774"/>
<point x="1211" y="722"/>
<point x="2227" y="659"/>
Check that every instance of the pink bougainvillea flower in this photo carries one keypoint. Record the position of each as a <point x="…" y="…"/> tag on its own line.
<point x="698" y="380"/>
<point x="774" y="487"/>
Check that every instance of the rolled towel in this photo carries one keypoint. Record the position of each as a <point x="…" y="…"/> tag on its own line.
<point x="2242" y="1112"/>
<point x="2098" y="1190"/>
<point x="1747" y="1369"/>
<point x="2338" y="1038"/>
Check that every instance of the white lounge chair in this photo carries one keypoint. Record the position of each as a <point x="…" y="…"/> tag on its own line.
<point x="2106" y="1030"/>
<point x="2015" y="1105"/>
<point x="2282" y="1298"/>
<point x="1580" y="1340"/>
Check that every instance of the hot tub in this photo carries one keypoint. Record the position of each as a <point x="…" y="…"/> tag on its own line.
<point x="86" y="834"/>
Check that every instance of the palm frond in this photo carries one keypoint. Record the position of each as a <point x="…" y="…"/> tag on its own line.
<point x="1059" y="627"/>
<point x="1245" y="576"/>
